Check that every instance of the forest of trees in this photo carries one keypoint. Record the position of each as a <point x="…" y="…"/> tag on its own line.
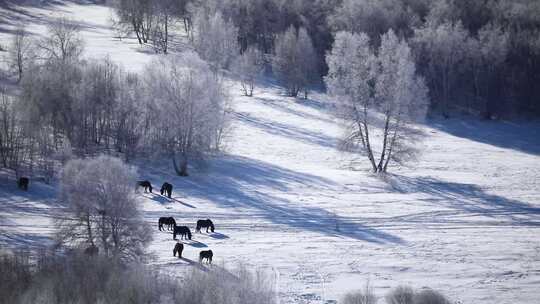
<point x="71" y="106"/>
<point x="475" y="57"/>
<point x="478" y="57"/>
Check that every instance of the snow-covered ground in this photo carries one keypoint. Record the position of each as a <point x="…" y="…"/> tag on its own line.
<point x="464" y="220"/>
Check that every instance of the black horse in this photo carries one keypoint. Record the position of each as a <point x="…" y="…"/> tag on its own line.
<point x="169" y="221"/>
<point x="183" y="231"/>
<point x="23" y="182"/>
<point x="146" y="184"/>
<point x="166" y="188"/>
<point x="179" y="247"/>
<point x="206" y="254"/>
<point x="91" y="250"/>
<point x="204" y="224"/>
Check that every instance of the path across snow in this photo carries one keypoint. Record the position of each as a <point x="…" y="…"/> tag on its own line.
<point x="464" y="220"/>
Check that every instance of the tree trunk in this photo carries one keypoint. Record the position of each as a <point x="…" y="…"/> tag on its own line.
<point x="182" y="169"/>
<point x="385" y="139"/>
<point x="166" y="39"/>
<point x="89" y="229"/>
<point x="368" y="148"/>
<point x="391" y="148"/>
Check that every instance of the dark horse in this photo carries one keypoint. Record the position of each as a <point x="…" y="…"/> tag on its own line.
<point x="23" y="182"/>
<point x="183" y="231"/>
<point x="91" y="250"/>
<point x="204" y="224"/>
<point x="179" y="247"/>
<point x="166" y="188"/>
<point x="206" y="254"/>
<point x="146" y="184"/>
<point x="169" y="221"/>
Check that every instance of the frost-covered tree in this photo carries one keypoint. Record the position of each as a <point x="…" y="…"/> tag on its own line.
<point x="441" y="52"/>
<point x="164" y="17"/>
<point x="371" y="87"/>
<point x="373" y="17"/>
<point x="63" y="41"/>
<point x="249" y="66"/>
<point x="12" y="139"/>
<point x="487" y="54"/>
<point x="189" y="103"/>
<point x="350" y="66"/>
<point x="401" y="97"/>
<point x="294" y="61"/>
<point x="102" y="209"/>
<point x="138" y="15"/>
<point x="307" y="60"/>
<point x="127" y="126"/>
<point x="215" y="39"/>
<point x="20" y="51"/>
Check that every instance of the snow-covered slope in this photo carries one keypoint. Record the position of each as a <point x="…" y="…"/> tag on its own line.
<point x="464" y="220"/>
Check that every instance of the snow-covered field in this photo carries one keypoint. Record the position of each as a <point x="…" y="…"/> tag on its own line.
<point x="464" y="220"/>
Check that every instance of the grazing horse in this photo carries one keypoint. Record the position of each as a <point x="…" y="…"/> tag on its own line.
<point x="169" y="221"/>
<point x="206" y="254"/>
<point x="91" y="250"/>
<point x="166" y="188"/>
<point x="179" y="247"/>
<point x="146" y="184"/>
<point x="204" y="224"/>
<point x="183" y="231"/>
<point x="23" y="182"/>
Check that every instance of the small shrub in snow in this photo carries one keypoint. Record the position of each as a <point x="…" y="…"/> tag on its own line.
<point x="219" y="286"/>
<point x="400" y="295"/>
<point x="77" y="278"/>
<point x="430" y="296"/>
<point x="365" y="296"/>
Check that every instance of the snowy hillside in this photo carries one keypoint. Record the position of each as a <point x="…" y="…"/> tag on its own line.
<point x="464" y="220"/>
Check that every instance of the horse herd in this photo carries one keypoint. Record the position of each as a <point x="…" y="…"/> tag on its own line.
<point x="169" y="223"/>
<point x="166" y="188"/>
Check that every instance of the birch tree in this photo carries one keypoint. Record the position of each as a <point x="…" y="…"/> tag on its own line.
<point x="371" y="86"/>
<point x="190" y="105"/>
<point x="215" y="39"/>
<point x="350" y="64"/>
<point x="487" y="53"/>
<point x="401" y="97"/>
<point x="20" y="51"/>
<point x="249" y="66"/>
<point x="294" y="62"/>
<point x="63" y="42"/>
<point x="441" y="51"/>
<point x="102" y="208"/>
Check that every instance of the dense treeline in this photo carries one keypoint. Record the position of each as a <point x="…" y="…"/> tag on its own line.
<point x="480" y="57"/>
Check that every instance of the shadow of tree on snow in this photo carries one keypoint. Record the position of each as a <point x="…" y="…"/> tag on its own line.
<point x="238" y="182"/>
<point x="468" y="198"/>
